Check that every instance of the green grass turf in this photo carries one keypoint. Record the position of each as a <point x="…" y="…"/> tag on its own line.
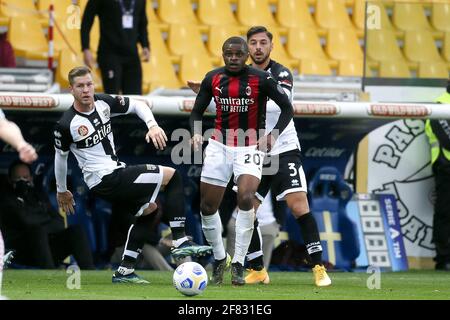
<point x="51" y="284"/>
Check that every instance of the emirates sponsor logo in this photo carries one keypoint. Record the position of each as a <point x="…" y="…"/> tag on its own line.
<point x="318" y="109"/>
<point x="396" y="110"/>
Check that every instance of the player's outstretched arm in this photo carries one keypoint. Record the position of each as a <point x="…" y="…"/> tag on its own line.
<point x="64" y="197"/>
<point x="11" y="134"/>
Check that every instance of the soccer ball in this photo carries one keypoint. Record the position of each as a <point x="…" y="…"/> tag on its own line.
<point x="190" y="278"/>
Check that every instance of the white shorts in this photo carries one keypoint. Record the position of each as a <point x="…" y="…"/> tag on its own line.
<point x="222" y="161"/>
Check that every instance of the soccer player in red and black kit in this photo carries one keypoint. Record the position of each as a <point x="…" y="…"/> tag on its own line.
<point x="236" y="147"/>
<point x="289" y="183"/>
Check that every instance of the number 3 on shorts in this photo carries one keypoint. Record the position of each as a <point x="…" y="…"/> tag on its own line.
<point x="255" y="157"/>
<point x="293" y="168"/>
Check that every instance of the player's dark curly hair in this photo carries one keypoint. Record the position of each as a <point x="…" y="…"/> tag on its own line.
<point x="258" y="29"/>
<point x="235" y="40"/>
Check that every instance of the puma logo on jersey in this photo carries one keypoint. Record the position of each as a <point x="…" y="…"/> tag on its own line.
<point x="219" y="89"/>
<point x="283" y="74"/>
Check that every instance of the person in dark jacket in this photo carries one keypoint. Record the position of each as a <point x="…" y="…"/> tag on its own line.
<point x="123" y="24"/>
<point x="34" y="230"/>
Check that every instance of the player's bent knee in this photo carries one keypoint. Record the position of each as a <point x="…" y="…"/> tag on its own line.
<point x="299" y="208"/>
<point x="207" y="208"/>
<point x="245" y="200"/>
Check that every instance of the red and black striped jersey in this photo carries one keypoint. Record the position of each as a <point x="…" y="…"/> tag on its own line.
<point x="240" y="104"/>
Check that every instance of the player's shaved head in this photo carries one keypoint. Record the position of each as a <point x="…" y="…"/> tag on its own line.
<point x="235" y="41"/>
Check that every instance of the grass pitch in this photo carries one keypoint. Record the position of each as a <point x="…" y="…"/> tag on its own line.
<point x="95" y="285"/>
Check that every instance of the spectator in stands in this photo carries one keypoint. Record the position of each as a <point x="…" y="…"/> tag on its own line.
<point x="10" y="133"/>
<point x="7" y="57"/>
<point x="34" y="230"/>
<point x="439" y="138"/>
<point x="123" y="24"/>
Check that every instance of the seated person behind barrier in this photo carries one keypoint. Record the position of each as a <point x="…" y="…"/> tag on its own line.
<point x="34" y="230"/>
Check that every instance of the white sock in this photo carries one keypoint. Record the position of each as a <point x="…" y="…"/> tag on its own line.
<point x="212" y="229"/>
<point x="244" y="230"/>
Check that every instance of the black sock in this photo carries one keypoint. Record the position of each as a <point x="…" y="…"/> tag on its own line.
<point x="174" y="210"/>
<point x="135" y="240"/>
<point x="256" y="263"/>
<point x="310" y="233"/>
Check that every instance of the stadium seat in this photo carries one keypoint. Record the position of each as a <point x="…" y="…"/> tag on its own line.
<point x="159" y="71"/>
<point x="332" y="14"/>
<point x="440" y="16"/>
<point x="22" y="8"/>
<point x="358" y="14"/>
<point x="342" y="44"/>
<point x="184" y="38"/>
<point x="410" y="16"/>
<point x="194" y="66"/>
<point x="65" y="38"/>
<point x="316" y="67"/>
<point x="294" y="14"/>
<point x="420" y="46"/>
<point x="215" y="12"/>
<point x="217" y="35"/>
<point x="176" y="12"/>
<point x="382" y="45"/>
<point x="329" y="196"/>
<point x="67" y="60"/>
<point x="394" y="69"/>
<point x="151" y="14"/>
<point x="255" y="12"/>
<point x="27" y="38"/>
<point x="304" y="43"/>
<point x="433" y="69"/>
<point x="446" y="47"/>
<point x="279" y="52"/>
<point x="353" y="68"/>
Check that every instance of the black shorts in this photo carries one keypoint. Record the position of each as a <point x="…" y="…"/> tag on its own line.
<point x="289" y="178"/>
<point x="136" y="185"/>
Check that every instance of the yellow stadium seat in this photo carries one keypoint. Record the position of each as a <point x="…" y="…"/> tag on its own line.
<point x="67" y="60"/>
<point x="317" y="67"/>
<point x="184" y="38"/>
<point x="194" y="66"/>
<point x="27" y="38"/>
<point x="279" y="52"/>
<point x="353" y="68"/>
<point x="255" y="12"/>
<point x="420" y="46"/>
<point x="433" y="69"/>
<point x="446" y="47"/>
<point x="440" y="16"/>
<point x="394" y="69"/>
<point x="294" y="14"/>
<point x="159" y="72"/>
<point x="358" y="14"/>
<point x="151" y="14"/>
<point x="217" y="35"/>
<point x="176" y="11"/>
<point x="303" y="43"/>
<point x="410" y="16"/>
<point x="342" y="44"/>
<point x="22" y="8"/>
<point x="332" y="14"/>
<point x="215" y="12"/>
<point x="64" y="37"/>
<point x="382" y="45"/>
